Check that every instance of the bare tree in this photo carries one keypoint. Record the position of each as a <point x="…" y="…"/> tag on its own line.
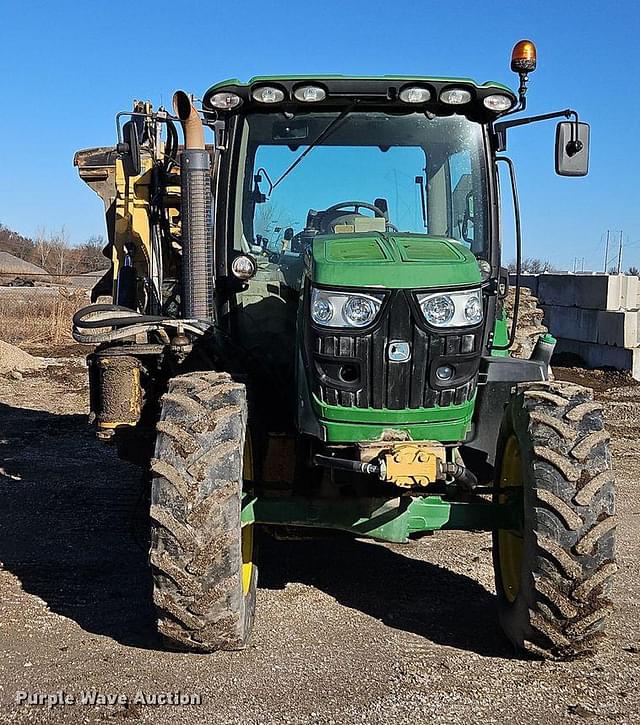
<point x="533" y="265"/>
<point x="61" y="262"/>
<point x="90" y="256"/>
<point x="270" y="215"/>
<point x="42" y="248"/>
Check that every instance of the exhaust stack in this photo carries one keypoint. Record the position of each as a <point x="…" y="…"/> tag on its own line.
<point x="197" y="242"/>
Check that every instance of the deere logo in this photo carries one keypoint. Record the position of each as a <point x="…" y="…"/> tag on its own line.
<point x="399" y="351"/>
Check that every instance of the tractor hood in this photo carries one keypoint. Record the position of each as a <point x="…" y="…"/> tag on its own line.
<point x="392" y="261"/>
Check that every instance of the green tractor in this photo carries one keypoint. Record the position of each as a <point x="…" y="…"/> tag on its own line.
<point x="304" y="327"/>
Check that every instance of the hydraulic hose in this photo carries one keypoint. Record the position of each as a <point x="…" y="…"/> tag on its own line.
<point x="126" y="323"/>
<point x="346" y="464"/>
<point x="461" y="475"/>
<point x="126" y="317"/>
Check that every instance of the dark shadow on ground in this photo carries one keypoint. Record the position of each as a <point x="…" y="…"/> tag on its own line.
<point x="74" y="524"/>
<point x="407" y="594"/>
<point x="74" y="530"/>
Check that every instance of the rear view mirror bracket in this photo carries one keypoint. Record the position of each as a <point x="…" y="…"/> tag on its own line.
<point x="572" y="140"/>
<point x="500" y="129"/>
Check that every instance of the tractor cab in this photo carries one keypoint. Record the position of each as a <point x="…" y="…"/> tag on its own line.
<point x="373" y="194"/>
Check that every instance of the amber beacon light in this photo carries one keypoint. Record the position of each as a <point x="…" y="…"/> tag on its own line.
<point x="524" y="57"/>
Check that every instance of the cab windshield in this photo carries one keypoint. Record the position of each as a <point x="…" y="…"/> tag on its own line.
<point x="365" y="171"/>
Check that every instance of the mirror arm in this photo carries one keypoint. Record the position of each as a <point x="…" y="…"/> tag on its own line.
<point x="423" y="202"/>
<point x="262" y="170"/>
<point x="500" y="129"/>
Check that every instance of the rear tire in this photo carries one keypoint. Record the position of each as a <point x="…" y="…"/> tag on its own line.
<point x="204" y="577"/>
<point x="554" y="574"/>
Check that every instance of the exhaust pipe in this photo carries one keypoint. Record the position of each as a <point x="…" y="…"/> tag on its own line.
<point x="197" y="241"/>
<point x="190" y="120"/>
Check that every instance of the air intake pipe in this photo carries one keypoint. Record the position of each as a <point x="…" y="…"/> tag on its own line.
<point x="197" y="242"/>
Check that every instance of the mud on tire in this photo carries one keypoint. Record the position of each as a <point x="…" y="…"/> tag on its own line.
<point x="568" y="554"/>
<point x="196" y="538"/>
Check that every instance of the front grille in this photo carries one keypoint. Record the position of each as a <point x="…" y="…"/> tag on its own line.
<point x="352" y="369"/>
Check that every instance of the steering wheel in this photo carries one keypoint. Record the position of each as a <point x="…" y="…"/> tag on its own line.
<point x="356" y="205"/>
<point x="329" y="216"/>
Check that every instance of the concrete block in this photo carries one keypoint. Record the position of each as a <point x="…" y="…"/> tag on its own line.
<point x="603" y="356"/>
<point x="557" y="289"/>
<point x="596" y="292"/>
<point x="526" y="280"/>
<point x="621" y="292"/>
<point x="618" y="329"/>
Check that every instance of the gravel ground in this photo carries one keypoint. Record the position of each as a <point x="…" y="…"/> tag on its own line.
<point x="346" y="631"/>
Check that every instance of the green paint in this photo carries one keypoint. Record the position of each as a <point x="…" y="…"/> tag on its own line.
<point x="446" y="432"/>
<point x="500" y="335"/>
<point x="386" y="415"/>
<point x="394" y="519"/>
<point x="407" y="261"/>
<point x="352" y="425"/>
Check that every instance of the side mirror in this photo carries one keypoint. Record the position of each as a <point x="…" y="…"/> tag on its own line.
<point x="257" y="196"/>
<point x="130" y="149"/>
<point x="572" y="153"/>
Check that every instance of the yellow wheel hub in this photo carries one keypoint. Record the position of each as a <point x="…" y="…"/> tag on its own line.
<point x="247" y="529"/>
<point x="510" y="543"/>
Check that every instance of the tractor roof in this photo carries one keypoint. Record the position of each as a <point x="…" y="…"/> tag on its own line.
<point x="340" y="91"/>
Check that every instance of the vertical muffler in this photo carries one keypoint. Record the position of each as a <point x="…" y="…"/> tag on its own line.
<point x="197" y="238"/>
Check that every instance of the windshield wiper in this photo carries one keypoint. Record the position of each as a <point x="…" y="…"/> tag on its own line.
<point x="318" y="140"/>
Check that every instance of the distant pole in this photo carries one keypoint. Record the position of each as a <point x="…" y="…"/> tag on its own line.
<point x="620" y="253"/>
<point x="575" y="262"/>
<point x="582" y="266"/>
<point x="606" y="253"/>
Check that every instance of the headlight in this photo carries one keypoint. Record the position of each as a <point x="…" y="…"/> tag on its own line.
<point x="454" y="309"/>
<point x="321" y="310"/>
<point x="497" y="102"/>
<point x="439" y="310"/>
<point x="267" y="94"/>
<point x="309" y="94"/>
<point x="225" y="100"/>
<point x="342" y="309"/>
<point x="455" y="96"/>
<point x="415" y="94"/>
<point x="244" y="267"/>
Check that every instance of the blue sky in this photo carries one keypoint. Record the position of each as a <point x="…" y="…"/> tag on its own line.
<point x="66" y="68"/>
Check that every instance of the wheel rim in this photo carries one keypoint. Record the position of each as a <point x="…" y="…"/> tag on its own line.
<point x="247" y="529"/>
<point x="510" y="542"/>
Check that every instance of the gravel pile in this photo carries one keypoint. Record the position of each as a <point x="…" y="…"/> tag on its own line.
<point x="530" y="321"/>
<point x="15" y="360"/>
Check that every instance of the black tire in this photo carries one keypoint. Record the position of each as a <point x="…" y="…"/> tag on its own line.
<point x="196" y="537"/>
<point x="557" y="603"/>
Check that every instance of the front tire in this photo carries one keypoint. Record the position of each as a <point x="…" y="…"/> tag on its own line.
<point x="201" y="556"/>
<point x="554" y="571"/>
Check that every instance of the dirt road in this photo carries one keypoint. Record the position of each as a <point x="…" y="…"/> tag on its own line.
<point x="346" y="631"/>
